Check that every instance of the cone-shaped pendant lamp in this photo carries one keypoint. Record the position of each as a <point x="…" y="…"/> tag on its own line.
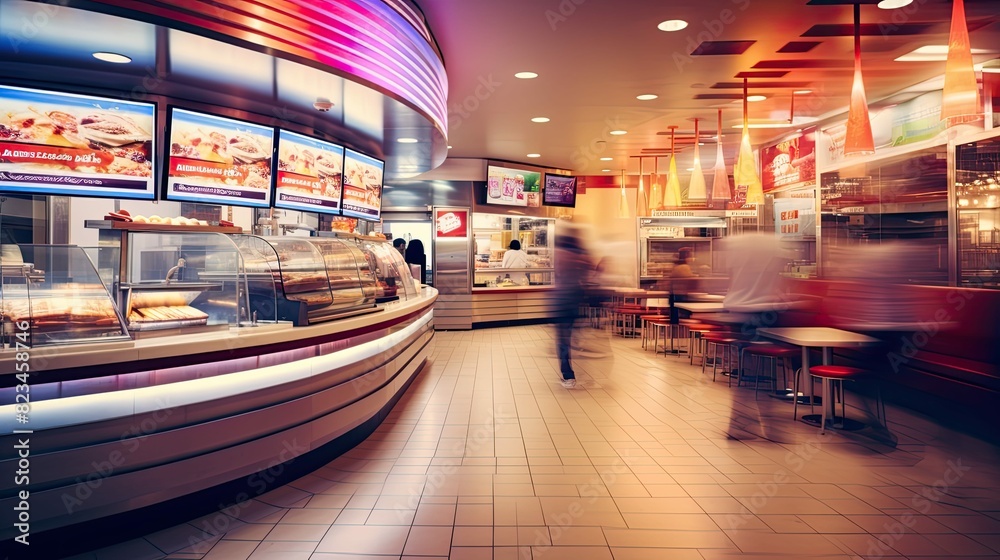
<point x="623" y="202"/>
<point x="720" y="182"/>
<point x="961" y="93"/>
<point x="673" y="195"/>
<point x="858" y="139"/>
<point x="745" y="172"/>
<point x="696" y="191"/>
<point x="656" y="190"/>
<point x="641" y="203"/>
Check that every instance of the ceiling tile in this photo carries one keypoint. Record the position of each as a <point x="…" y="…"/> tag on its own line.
<point x="806" y="63"/>
<point x="799" y="46"/>
<point x="712" y="48"/>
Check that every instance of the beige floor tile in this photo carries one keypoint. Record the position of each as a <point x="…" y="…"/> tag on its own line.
<point x="428" y="541"/>
<point x="291" y="532"/>
<point x="660" y="538"/>
<point x="572" y="553"/>
<point x="366" y="539"/>
<point x="472" y="536"/>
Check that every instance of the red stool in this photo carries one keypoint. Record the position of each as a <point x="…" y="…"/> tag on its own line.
<point x="772" y="353"/>
<point x="714" y="340"/>
<point x="832" y="373"/>
<point x="695" y="333"/>
<point x="648" y="322"/>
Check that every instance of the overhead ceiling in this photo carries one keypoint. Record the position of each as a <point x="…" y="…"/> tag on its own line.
<point x="593" y="58"/>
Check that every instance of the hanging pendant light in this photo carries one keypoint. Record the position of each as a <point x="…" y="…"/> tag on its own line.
<point x="858" y="139"/>
<point x="745" y="172"/>
<point x="641" y="202"/>
<point x="623" y="202"/>
<point x="696" y="191"/>
<point x="960" y="99"/>
<point x="656" y="190"/>
<point x="720" y="181"/>
<point x="673" y="194"/>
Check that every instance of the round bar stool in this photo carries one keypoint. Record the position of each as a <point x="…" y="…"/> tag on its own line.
<point x="772" y="353"/>
<point x="830" y="374"/>
<point x="648" y="326"/>
<point x="713" y="341"/>
<point x="695" y="342"/>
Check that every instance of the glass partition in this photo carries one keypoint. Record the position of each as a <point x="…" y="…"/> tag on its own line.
<point x="977" y="192"/>
<point x="887" y="219"/>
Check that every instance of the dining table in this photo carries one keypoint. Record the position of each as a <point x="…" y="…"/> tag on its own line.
<point x="825" y="338"/>
<point x="700" y="306"/>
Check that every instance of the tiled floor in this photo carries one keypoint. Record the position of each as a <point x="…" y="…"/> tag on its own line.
<point x="488" y="457"/>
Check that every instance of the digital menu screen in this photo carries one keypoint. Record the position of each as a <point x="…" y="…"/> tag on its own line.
<point x="362" y="186"/>
<point x="560" y="190"/>
<point x="310" y="174"/>
<point x="66" y="144"/>
<point x="218" y="160"/>
<point x="513" y="187"/>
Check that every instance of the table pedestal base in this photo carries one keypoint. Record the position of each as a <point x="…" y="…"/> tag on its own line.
<point x="835" y="423"/>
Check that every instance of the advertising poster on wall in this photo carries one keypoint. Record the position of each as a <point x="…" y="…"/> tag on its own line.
<point x="452" y="223"/>
<point x="310" y="174"/>
<point x="790" y="162"/>
<point x="218" y="160"/>
<point x="513" y="187"/>
<point x="362" y="186"/>
<point x="60" y="143"/>
<point x="560" y="190"/>
<point x="795" y="217"/>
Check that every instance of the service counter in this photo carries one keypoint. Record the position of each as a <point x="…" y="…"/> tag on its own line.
<point x="496" y="306"/>
<point x="119" y="426"/>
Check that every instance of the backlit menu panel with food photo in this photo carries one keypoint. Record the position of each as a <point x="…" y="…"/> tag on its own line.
<point x="362" y="186"/>
<point x="60" y="143"/>
<point x="513" y="187"/>
<point x="310" y="174"/>
<point x="218" y="160"/>
<point x="560" y="190"/>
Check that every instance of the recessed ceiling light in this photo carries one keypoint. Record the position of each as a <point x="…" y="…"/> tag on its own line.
<point x="406" y="140"/>
<point x="540" y="119"/>
<point x="690" y="169"/>
<point x="756" y="98"/>
<point x="672" y="25"/>
<point x="618" y="132"/>
<point x="932" y="53"/>
<point x="607" y="158"/>
<point x="526" y="75"/>
<point x="893" y="4"/>
<point x="534" y="155"/>
<point x="646" y="97"/>
<point x="449" y="147"/>
<point x="802" y="91"/>
<point x="112" y="57"/>
<point x="605" y="170"/>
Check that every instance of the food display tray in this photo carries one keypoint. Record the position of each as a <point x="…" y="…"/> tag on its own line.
<point x="133" y="226"/>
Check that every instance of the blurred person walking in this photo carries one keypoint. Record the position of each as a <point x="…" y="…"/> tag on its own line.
<point x="573" y="268"/>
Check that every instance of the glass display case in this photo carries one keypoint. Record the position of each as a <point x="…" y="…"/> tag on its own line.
<point x="977" y="192"/>
<point x="662" y="238"/>
<point x="311" y="279"/>
<point x="392" y="276"/>
<point x="492" y="236"/>
<point x="52" y="294"/>
<point x="183" y="279"/>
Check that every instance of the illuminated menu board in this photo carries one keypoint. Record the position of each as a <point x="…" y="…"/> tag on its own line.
<point x="310" y="174"/>
<point x="218" y="160"/>
<point x="64" y="144"/>
<point x="513" y="187"/>
<point x="362" y="186"/>
<point x="560" y="190"/>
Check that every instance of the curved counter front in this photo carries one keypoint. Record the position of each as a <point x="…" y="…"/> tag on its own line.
<point x="120" y="426"/>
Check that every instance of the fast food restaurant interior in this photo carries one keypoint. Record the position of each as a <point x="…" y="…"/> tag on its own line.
<point x="785" y="344"/>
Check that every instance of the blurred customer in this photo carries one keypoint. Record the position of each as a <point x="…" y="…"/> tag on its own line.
<point x="573" y="268"/>
<point x="514" y="257"/>
<point x="755" y="262"/>
<point x="400" y="245"/>
<point x="417" y="260"/>
<point x="682" y="266"/>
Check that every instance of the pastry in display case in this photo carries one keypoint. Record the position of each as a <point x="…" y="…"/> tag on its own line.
<point x="309" y="279"/>
<point x="55" y="296"/>
<point x="392" y="275"/>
